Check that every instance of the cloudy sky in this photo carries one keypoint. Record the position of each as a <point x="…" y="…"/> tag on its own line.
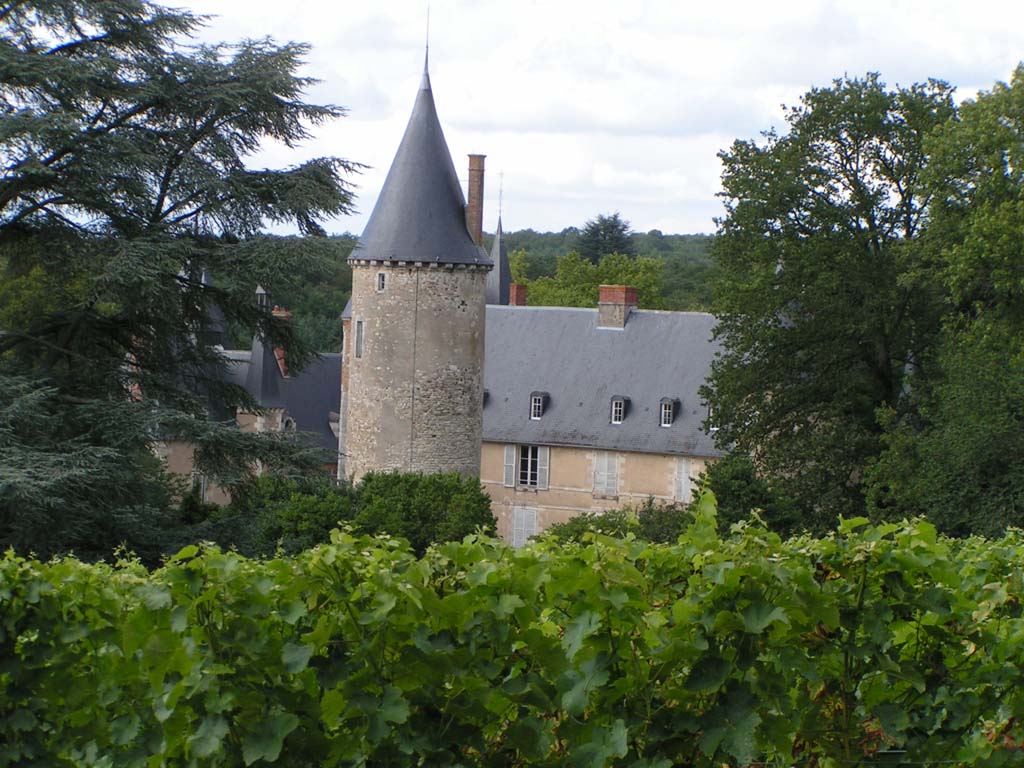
<point x="592" y="106"/>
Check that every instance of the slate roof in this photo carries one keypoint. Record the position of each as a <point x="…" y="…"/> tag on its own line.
<point x="499" y="278"/>
<point x="308" y="396"/>
<point x="421" y="212"/>
<point x="562" y="352"/>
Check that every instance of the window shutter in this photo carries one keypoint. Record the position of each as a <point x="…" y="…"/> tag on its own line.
<point x="542" y="468"/>
<point x="510" y="466"/>
<point x="518" y="527"/>
<point x="600" y="471"/>
<point x="530" y="522"/>
<point x="611" y="482"/>
<point x="683" y="469"/>
<point x="524" y="525"/>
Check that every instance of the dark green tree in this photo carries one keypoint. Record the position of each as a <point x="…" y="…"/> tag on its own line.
<point x="604" y="235"/>
<point x="821" y="317"/>
<point x="958" y="456"/>
<point x="422" y="509"/>
<point x="740" y="492"/>
<point x="124" y="180"/>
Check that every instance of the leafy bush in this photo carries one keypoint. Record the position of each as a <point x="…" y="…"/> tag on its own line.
<point x="289" y="515"/>
<point x="651" y="521"/>
<point x="614" y="522"/>
<point x="741" y="492"/>
<point x="422" y="509"/>
<point x="662" y="523"/>
<point x="710" y="651"/>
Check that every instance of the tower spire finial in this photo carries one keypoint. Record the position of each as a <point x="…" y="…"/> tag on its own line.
<point x="426" y="55"/>
<point x="501" y="191"/>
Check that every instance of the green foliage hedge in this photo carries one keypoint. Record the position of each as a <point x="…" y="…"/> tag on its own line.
<point x="835" y="651"/>
<point x="272" y="515"/>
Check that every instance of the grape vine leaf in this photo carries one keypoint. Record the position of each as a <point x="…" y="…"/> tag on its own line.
<point x="265" y="742"/>
<point x="295" y="657"/>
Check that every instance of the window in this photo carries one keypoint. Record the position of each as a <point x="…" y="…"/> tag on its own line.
<point x="359" y="338"/>
<point x="667" y="413"/>
<point x="684" y="484"/>
<point x="524" y="525"/>
<point x="536" y="407"/>
<point x="712" y="428"/>
<point x="620" y="407"/>
<point x="526" y="466"/>
<point x="528" y="463"/>
<point x="380" y="281"/>
<point x="606" y="473"/>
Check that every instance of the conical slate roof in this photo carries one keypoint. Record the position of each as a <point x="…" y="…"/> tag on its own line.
<point x="499" y="278"/>
<point x="421" y="212"/>
<point x="262" y="378"/>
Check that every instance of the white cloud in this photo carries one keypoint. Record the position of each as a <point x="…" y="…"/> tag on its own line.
<point x="596" y="106"/>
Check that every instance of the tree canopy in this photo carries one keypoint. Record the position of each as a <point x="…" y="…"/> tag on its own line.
<point x="130" y="237"/>
<point x="957" y="455"/>
<point x="604" y="235"/>
<point x="821" y="320"/>
<point x="576" y="281"/>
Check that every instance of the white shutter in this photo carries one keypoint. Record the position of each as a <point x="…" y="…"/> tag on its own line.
<point x="600" y="471"/>
<point x="542" y="469"/>
<point x="530" y="526"/>
<point x="524" y="525"/>
<point x="606" y="473"/>
<point x="683" y="470"/>
<point x="510" y="466"/>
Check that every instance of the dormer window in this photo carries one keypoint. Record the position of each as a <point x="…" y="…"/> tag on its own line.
<point x="380" y="281"/>
<point x="667" y="412"/>
<point x="620" y="407"/>
<point x="538" y="404"/>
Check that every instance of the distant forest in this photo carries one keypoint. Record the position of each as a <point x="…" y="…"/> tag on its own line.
<point x="316" y="299"/>
<point x="685" y="281"/>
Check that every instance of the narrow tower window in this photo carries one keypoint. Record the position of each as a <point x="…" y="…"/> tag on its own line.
<point x="359" y="338"/>
<point x="380" y="281"/>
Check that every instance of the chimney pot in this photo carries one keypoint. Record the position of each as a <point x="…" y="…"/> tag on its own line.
<point x="614" y="304"/>
<point x="475" y="202"/>
<point x="517" y="295"/>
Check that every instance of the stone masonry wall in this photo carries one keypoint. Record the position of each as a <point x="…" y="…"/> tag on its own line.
<point x="415" y="399"/>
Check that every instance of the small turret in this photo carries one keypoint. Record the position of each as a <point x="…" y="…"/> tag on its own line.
<point x="500" y="277"/>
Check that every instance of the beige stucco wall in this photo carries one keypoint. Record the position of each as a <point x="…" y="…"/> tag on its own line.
<point x="179" y="458"/>
<point x="415" y="395"/>
<point x="570" y="489"/>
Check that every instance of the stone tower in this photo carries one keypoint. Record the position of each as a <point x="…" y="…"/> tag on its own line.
<point x="413" y="387"/>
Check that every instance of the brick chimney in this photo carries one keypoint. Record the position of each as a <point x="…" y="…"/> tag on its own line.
<point x="517" y="295"/>
<point x="614" y="304"/>
<point x="475" y="203"/>
<point x="281" y="314"/>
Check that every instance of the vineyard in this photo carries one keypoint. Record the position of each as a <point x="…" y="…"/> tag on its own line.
<point x="877" y="645"/>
